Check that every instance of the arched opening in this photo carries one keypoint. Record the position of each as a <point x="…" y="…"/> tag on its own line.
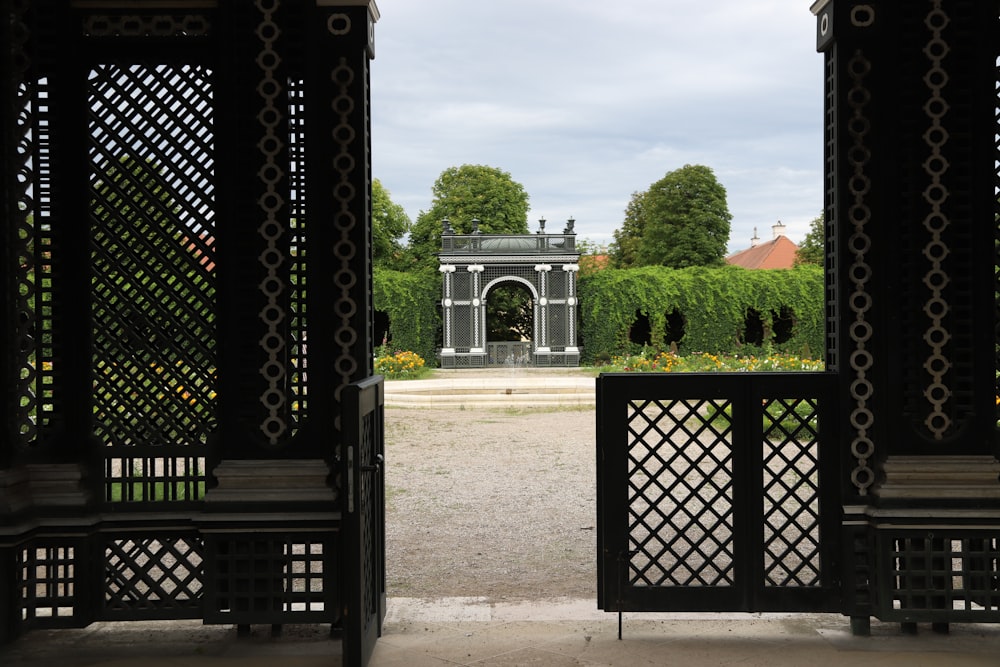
<point x="756" y="332"/>
<point x="674" y="329"/>
<point x="381" y="324"/>
<point x="640" y="333"/>
<point x="783" y="324"/>
<point x="753" y="328"/>
<point x="510" y="322"/>
<point x="509" y="314"/>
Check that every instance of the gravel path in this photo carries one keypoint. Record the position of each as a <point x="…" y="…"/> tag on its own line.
<point x="490" y="502"/>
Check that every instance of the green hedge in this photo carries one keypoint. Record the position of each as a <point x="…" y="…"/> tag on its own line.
<point x="713" y="302"/>
<point x="411" y="302"/>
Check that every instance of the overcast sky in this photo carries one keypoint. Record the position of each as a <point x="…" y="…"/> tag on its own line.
<point x="584" y="102"/>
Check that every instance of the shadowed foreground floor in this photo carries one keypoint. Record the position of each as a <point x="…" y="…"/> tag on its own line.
<point x="551" y="633"/>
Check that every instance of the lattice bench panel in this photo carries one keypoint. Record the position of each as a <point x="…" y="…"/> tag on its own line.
<point x="291" y="577"/>
<point x="48" y="581"/>
<point x="153" y="577"/>
<point x="939" y="575"/>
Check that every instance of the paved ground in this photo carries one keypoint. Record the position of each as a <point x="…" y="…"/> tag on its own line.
<point x="552" y="633"/>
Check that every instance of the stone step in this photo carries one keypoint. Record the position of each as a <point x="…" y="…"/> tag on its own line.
<point x="492" y="391"/>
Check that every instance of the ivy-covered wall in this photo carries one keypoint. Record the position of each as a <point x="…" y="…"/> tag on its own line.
<point x="410" y="300"/>
<point x="713" y="304"/>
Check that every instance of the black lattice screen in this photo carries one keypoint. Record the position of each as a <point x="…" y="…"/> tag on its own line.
<point x="952" y="570"/>
<point x="713" y="494"/>
<point x="47" y="583"/>
<point x="33" y="322"/>
<point x="680" y="477"/>
<point x="289" y="576"/>
<point x="372" y="531"/>
<point x="122" y="196"/>
<point x="297" y="273"/>
<point x="153" y="287"/>
<point x="791" y="492"/>
<point x="153" y="577"/>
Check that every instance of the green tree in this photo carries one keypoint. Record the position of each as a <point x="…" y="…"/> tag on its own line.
<point x="624" y="249"/>
<point x="682" y="220"/>
<point x="389" y="224"/>
<point x="462" y="194"/>
<point x="812" y="250"/>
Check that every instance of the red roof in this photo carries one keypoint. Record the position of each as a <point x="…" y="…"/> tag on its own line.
<point x="594" y="263"/>
<point x="777" y="253"/>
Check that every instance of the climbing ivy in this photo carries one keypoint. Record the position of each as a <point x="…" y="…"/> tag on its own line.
<point x="715" y="305"/>
<point x="410" y="299"/>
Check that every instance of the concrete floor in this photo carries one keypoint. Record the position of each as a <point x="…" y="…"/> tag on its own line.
<point x="551" y="633"/>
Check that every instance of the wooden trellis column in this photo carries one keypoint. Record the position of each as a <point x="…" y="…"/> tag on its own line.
<point x="911" y="212"/>
<point x="185" y="257"/>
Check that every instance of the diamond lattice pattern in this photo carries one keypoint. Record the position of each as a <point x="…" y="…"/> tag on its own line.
<point x="680" y="472"/>
<point x="153" y="573"/>
<point x="152" y="242"/>
<point x="791" y="493"/>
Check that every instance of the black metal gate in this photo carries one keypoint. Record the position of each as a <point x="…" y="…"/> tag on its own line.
<point x="717" y="492"/>
<point x="364" y="519"/>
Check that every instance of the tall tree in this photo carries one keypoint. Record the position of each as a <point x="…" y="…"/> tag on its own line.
<point x="813" y="247"/>
<point x="462" y="194"/>
<point x="389" y="224"/>
<point x="624" y="249"/>
<point x="682" y="220"/>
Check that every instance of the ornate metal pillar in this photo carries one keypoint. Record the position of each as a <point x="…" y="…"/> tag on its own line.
<point x="542" y="310"/>
<point x="571" y="301"/>
<point x="447" y="308"/>
<point x="477" y="311"/>
<point x="911" y="210"/>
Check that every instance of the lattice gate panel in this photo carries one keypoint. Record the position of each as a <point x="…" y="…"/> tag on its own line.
<point x="153" y="288"/>
<point x="680" y="481"/>
<point x="791" y="528"/>
<point x="714" y="493"/>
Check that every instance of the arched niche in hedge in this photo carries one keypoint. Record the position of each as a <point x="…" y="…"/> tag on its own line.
<point x="640" y="332"/>
<point x="713" y="303"/>
<point x="675" y="324"/>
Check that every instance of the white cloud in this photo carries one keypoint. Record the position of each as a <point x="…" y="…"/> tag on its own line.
<point x="585" y="102"/>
